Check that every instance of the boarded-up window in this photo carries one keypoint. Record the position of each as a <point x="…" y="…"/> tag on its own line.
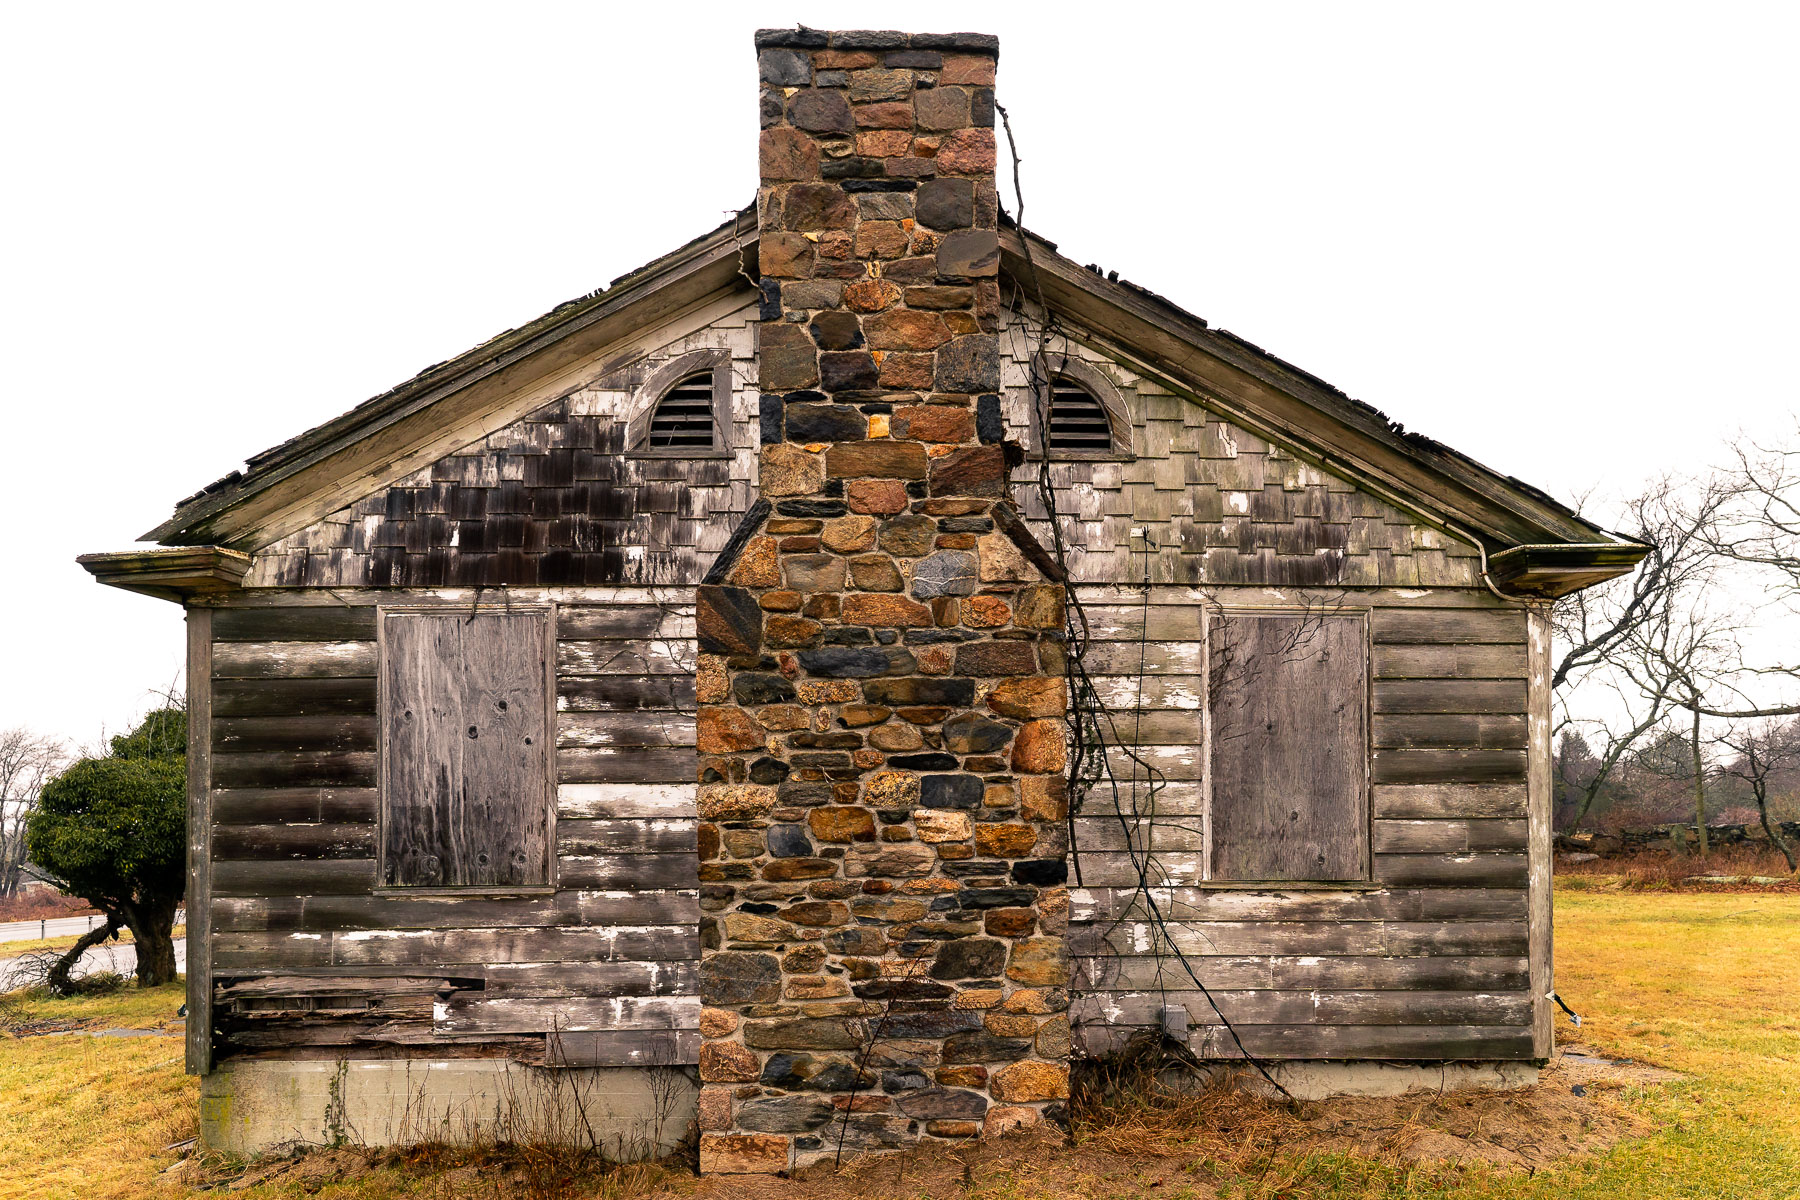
<point x="1288" y="759"/>
<point x="465" y="767"/>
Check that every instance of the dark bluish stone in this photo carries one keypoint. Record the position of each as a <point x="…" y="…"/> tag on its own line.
<point x="947" y="791"/>
<point x="944" y="1104"/>
<point x="971" y="733"/>
<point x="904" y="1081"/>
<point x="933" y="637"/>
<point x="806" y="397"/>
<point x="761" y="910"/>
<point x="903" y="989"/>
<point x="969" y="958"/>
<point x="966" y="525"/>
<point x="847" y="371"/>
<point x="804" y="795"/>
<point x="734" y="977"/>
<point x="768" y="306"/>
<point x="836" y="329"/>
<point x="1041" y="872"/>
<point x="919" y="60"/>
<point x="880" y="185"/>
<point x="751" y="688"/>
<point x="768" y="770"/>
<point x="789" y="841"/>
<point x="946" y="204"/>
<point x="926" y="690"/>
<point x="848" y="635"/>
<point x="946" y="573"/>
<point x="787" y="1070"/>
<point x="784" y="68"/>
<point x="990" y="426"/>
<point x="811" y="508"/>
<point x="825" y="741"/>
<point x="852" y="167"/>
<point x="930" y="761"/>
<point x="931" y="1023"/>
<point x="856" y="663"/>
<point x="825" y="423"/>
<point x="981" y="108"/>
<point x="984" y="1047"/>
<point x="769" y="418"/>
<point x="799" y="37"/>
<point x="786" y="1114"/>
<point x="887" y="637"/>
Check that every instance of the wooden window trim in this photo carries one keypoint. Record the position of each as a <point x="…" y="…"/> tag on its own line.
<point x="551" y="732"/>
<point x="660" y="382"/>
<point x="1367" y="881"/>
<point x="1093" y="381"/>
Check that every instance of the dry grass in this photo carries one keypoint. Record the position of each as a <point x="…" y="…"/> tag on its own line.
<point x="1661" y="871"/>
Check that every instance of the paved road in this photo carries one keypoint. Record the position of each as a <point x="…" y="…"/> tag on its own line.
<point x="19" y="931"/>
<point x="112" y="956"/>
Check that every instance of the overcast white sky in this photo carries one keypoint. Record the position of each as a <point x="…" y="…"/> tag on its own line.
<point x="1559" y="237"/>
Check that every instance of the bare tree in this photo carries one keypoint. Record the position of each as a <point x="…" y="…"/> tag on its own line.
<point x="27" y="761"/>
<point x="1762" y="750"/>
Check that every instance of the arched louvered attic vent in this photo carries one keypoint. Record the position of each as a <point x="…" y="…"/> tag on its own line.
<point x="1077" y="420"/>
<point x="684" y="416"/>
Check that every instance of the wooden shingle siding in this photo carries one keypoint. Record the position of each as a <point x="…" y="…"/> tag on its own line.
<point x="295" y="822"/>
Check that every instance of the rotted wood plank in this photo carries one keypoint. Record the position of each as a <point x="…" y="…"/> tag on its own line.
<point x="575" y="801"/>
<point x="625" y="693"/>
<point x="1448" y="766"/>
<point x="1447" y="837"/>
<point x="1478" y="696"/>
<point x="625" y="658"/>
<point x="293" y="660"/>
<point x="1247" y="1008"/>
<point x="1127" y="622"/>
<point x="1450" y="732"/>
<point x="270" y="806"/>
<point x="291" y="841"/>
<point x="620" y="1048"/>
<point x="1450" y="662"/>
<point x="324" y="768"/>
<point x="613" y="765"/>
<point x="1096" y="905"/>
<point x="1451" y="870"/>
<point x="625" y="730"/>
<point x="387" y="911"/>
<point x="467" y="1014"/>
<point x="681" y="870"/>
<point x="294" y="697"/>
<point x="1425" y="801"/>
<point x="337" y="623"/>
<point x="1349" y="972"/>
<point x="293" y="877"/>
<point x="1467" y="626"/>
<point x="629" y="835"/>
<point x="431" y="947"/>
<point x="592" y="980"/>
<point x="239" y="735"/>
<point x="637" y="622"/>
<point x="1200" y="938"/>
<point x="1148" y="658"/>
<point x="1126" y="693"/>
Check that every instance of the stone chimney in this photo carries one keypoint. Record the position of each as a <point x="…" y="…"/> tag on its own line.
<point x="881" y="725"/>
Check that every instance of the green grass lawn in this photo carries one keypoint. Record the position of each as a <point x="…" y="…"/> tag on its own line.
<point x="1708" y="985"/>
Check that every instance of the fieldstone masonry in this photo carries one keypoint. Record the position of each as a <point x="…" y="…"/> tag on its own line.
<point x="881" y="730"/>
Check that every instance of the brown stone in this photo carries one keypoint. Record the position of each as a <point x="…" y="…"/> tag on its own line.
<point x="849" y="534"/>
<point x="969" y="364"/>
<point x="996" y="658"/>
<point x="786" y="357"/>
<point x="788" y="154"/>
<point x="891" y="789"/>
<point x="942" y="825"/>
<point x="935" y="660"/>
<point x="884" y="610"/>
<point x="889" y="114"/>
<point x="896" y="738"/>
<point x="1039" y="748"/>
<point x="857" y="715"/>
<point x="789" y="470"/>
<point x="946" y="1128"/>
<point x="722" y="729"/>
<point x="1004" y="841"/>
<point x="1026" y="1081"/>
<point x="785" y="256"/>
<point x="1044" y="797"/>
<point x="1010" y="1025"/>
<point x="828" y="691"/>
<point x="779" y="601"/>
<point x="886" y="460"/>
<point x="843" y="60"/>
<point x="787" y="870"/>
<point x="893" y="909"/>
<point x="816" y="987"/>
<point x="838" y="824"/>
<point x="782" y="717"/>
<point x="1022" y="699"/>
<point x="1038" y="1001"/>
<point x="1039" y="962"/>
<point x="883" y="143"/>
<point x="965" y="152"/>
<point x="745" y="1153"/>
<point x="791" y="632"/>
<point x="903" y="370"/>
<point x="905" y="329"/>
<point x="1008" y="922"/>
<point x="812" y="573"/>
<point x="752" y="929"/>
<point x="1053" y="1038"/>
<point x="972" y="69"/>
<point x="727" y="1062"/>
<point x="985" y="612"/>
<point x="1004" y="1118"/>
<point x="934" y="423"/>
<point x="979" y="999"/>
<point x="714" y="1108"/>
<point x="870" y="295"/>
<point x="875" y="573"/>
<point x="711" y="684"/>
<point x="882" y="497"/>
<point x="734" y="801"/>
<point x="1040" y="607"/>
<point x="817" y="206"/>
<point x="908" y="536"/>
<point x="755" y="565"/>
<point x="971" y="471"/>
<point x="942" y="108"/>
<point x="1001" y="560"/>
<point x="717" y="1022"/>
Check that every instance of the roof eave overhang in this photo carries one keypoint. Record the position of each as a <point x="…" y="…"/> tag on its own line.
<point x="177" y="573"/>
<point x="1344" y="434"/>
<point x="234" y="511"/>
<point x="1547" y="571"/>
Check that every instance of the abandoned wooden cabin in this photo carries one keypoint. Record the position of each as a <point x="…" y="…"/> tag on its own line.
<point x="862" y="651"/>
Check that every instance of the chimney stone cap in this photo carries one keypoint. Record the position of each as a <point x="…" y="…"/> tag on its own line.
<point x="802" y="38"/>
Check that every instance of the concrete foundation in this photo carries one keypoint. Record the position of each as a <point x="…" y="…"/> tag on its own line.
<point x="1321" y="1080"/>
<point x="254" y="1106"/>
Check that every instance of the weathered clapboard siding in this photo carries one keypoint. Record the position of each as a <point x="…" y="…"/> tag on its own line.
<point x="1427" y="959"/>
<point x="608" y="955"/>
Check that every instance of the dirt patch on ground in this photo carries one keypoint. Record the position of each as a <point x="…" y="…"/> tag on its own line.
<point x="1173" y="1137"/>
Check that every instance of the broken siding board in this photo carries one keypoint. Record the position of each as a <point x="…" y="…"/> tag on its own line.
<point x="1459" y="732"/>
<point x="293" y="660"/>
<point x="1263" y="1007"/>
<point x="466" y="770"/>
<point x="627" y="836"/>
<point x="626" y="622"/>
<point x="1261" y="972"/>
<point x="1124" y="622"/>
<point x="235" y="698"/>
<point x="636" y="943"/>
<point x="1288" y="733"/>
<point x="591" y="980"/>
<point x="625" y="658"/>
<point x="1499" y="696"/>
<point x="1150" y="693"/>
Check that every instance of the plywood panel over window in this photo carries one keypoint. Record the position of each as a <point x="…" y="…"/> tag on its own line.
<point x="465" y="750"/>
<point x="1287" y="700"/>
